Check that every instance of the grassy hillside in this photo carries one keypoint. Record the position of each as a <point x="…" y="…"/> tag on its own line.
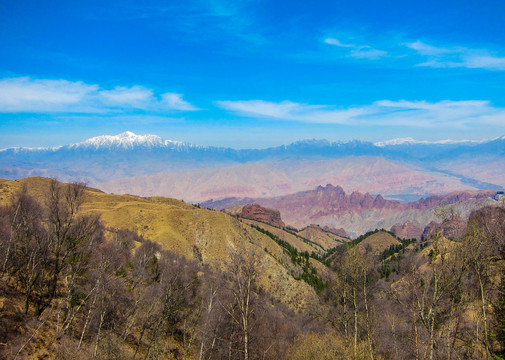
<point x="209" y="237"/>
<point x="379" y="242"/>
<point x="324" y="238"/>
<point x="298" y="242"/>
<point x="80" y="293"/>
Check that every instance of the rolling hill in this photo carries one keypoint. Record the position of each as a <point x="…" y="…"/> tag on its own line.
<point x="209" y="237"/>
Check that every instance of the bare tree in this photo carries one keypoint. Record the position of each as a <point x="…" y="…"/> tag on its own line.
<point x="26" y="252"/>
<point x="63" y="204"/>
<point x="241" y="307"/>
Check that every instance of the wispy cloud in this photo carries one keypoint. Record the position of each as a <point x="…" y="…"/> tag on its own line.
<point x="452" y="57"/>
<point x="358" y="51"/>
<point x="422" y="53"/>
<point x="232" y="17"/>
<point x="417" y="114"/>
<point x="175" y="101"/>
<point x="336" y="42"/>
<point x="137" y="96"/>
<point x="25" y="94"/>
<point x="195" y="20"/>
<point x="288" y="110"/>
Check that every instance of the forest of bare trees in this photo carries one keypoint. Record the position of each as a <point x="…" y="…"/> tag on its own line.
<point x="72" y="289"/>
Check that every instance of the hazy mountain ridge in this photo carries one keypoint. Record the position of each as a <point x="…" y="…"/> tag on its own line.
<point x="408" y="146"/>
<point x="147" y="165"/>
<point x="358" y="213"/>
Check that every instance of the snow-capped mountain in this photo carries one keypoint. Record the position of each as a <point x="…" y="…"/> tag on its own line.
<point x="125" y="141"/>
<point x="131" y="141"/>
<point x="411" y="141"/>
<point x="145" y="164"/>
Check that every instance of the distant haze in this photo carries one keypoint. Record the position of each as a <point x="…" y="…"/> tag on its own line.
<point x="148" y="165"/>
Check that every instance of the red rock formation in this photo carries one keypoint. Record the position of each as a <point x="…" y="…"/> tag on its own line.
<point x="326" y="205"/>
<point x="329" y="199"/>
<point x="259" y="213"/>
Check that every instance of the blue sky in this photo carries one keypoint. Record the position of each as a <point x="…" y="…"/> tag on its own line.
<point x="249" y="74"/>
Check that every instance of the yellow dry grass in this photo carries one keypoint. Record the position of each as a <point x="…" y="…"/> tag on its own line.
<point x="295" y="241"/>
<point x="326" y="239"/>
<point x="204" y="235"/>
<point x="379" y="242"/>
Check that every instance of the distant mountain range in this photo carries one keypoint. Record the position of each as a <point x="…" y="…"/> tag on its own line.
<point x="358" y="213"/>
<point x="148" y="165"/>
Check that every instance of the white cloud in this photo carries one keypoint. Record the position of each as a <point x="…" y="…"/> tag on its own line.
<point x="336" y="42"/>
<point x="288" y="110"/>
<point x="358" y="51"/>
<point x="284" y="110"/>
<point x="175" y="102"/>
<point x="25" y="94"/>
<point x="365" y="52"/>
<point x="134" y="96"/>
<point x="453" y="113"/>
<point x="419" y="114"/>
<point x="451" y="57"/>
<point x="484" y="62"/>
<point x="425" y="49"/>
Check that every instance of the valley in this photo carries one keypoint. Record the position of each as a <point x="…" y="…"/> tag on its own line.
<point x="300" y="283"/>
<point x="169" y="250"/>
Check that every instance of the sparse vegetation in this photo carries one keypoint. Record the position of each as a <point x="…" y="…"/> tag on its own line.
<point x="309" y="274"/>
<point x="71" y="288"/>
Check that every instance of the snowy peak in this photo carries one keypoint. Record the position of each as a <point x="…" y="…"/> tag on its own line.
<point x="398" y="141"/>
<point x="16" y="150"/>
<point x="125" y="141"/>
<point x="411" y="141"/>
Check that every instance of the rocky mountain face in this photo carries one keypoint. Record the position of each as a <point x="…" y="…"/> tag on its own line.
<point x="259" y="213"/>
<point x="357" y="213"/>
<point x="329" y="199"/>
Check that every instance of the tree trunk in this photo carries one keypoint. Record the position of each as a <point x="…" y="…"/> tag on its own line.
<point x="355" y="321"/>
<point x="368" y="329"/>
<point x="484" y="313"/>
<point x="97" y="342"/>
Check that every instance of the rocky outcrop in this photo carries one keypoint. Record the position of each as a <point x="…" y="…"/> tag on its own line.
<point x="332" y="200"/>
<point x="358" y="213"/>
<point x="259" y="213"/>
<point x="407" y="231"/>
<point x="451" y="198"/>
